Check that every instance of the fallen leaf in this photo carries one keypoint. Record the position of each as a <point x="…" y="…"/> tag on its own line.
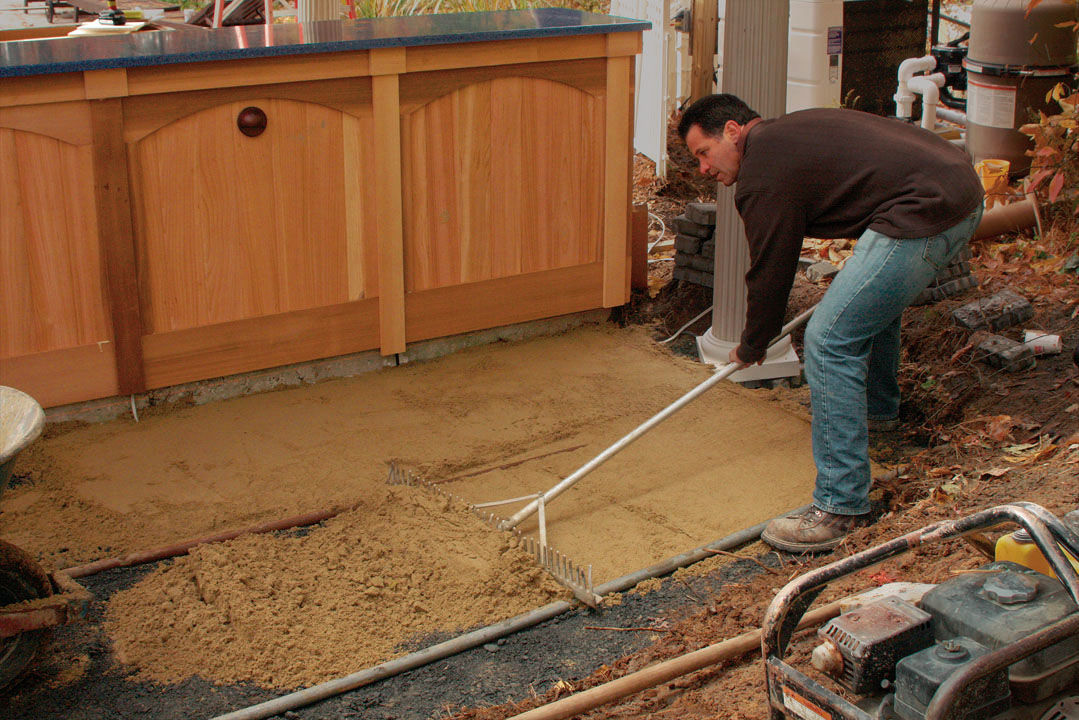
<point x="994" y="472"/>
<point x="1000" y="428"/>
<point x="883" y="578"/>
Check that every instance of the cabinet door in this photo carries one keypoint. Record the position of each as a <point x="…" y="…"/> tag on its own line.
<point x="502" y="177"/>
<point x="253" y="250"/>
<point x="55" y="334"/>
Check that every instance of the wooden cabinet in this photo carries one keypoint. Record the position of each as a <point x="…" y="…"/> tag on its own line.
<point x="394" y="195"/>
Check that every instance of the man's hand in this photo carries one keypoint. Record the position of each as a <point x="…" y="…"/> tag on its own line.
<point x="732" y="356"/>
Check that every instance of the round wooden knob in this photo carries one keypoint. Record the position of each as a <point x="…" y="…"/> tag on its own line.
<point x="251" y="121"/>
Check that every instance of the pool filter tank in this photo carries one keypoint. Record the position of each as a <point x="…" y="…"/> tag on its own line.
<point x="1014" y="60"/>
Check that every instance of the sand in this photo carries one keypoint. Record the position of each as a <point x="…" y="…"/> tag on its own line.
<point x="487" y="423"/>
<point x="289" y="612"/>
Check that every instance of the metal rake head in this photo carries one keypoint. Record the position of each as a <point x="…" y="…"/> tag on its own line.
<point x="576" y="578"/>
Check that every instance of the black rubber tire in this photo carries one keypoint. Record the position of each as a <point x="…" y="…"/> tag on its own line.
<point x="21" y="578"/>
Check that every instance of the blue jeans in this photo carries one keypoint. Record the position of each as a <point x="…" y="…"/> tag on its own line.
<point x="852" y="353"/>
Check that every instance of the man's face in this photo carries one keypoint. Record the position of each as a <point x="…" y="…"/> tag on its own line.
<point x="717" y="155"/>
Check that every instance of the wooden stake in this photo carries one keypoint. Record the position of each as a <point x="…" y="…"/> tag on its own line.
<point x="702" y="47"/>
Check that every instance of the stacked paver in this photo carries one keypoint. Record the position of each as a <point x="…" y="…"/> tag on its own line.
<point x="987" y="316"/>
<point x="951" y="280"/>
<point x="695" y="244"/>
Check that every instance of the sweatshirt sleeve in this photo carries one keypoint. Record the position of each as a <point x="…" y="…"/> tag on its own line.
<point x="775" y="228"/>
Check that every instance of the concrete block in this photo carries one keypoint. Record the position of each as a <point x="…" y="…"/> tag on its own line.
<point x="708" y="248"/>
<point x="953" y="270"/>
<point x="1007" y="354"/>
<point x="1004" y="309"/>
<point x="702" y="213"/>
<point x="685" y="226"/>
<point x="696" y="277"/>
<point x="682" y="259"/>
<point x="804" y="262"/>
<point x="699" y="262"/>
<point x="821" y="271"/>
<point x="687" y="244"/>
<point x="939" y="291"/>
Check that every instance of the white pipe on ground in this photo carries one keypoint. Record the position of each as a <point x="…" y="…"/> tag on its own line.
<point x="928" y="86"/>
<point x="904" y="98"/>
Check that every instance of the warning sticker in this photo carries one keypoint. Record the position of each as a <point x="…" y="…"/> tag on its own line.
<point x="990" y="105"/>
<point x="835" y="40"/>
<point x="803" y="708"/>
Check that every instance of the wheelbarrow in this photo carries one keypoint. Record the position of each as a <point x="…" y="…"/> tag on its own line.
<point x="31" y="600"/>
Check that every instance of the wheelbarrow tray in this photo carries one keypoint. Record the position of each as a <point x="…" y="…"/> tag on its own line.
<point x="21" y="422"/>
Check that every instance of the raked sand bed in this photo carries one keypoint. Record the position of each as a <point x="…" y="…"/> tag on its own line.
<point x="487" y="423"/>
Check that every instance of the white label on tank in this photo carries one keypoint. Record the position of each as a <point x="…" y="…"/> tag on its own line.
<point x="803" y="708"/>
<point x="990" y="105"/>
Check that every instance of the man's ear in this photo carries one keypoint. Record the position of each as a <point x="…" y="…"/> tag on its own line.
<point x="731" y="131"/>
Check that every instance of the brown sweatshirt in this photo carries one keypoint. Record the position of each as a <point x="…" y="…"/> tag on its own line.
<point x="832" y="173"/>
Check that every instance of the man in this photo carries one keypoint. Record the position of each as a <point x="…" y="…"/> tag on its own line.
<point x="911" y="199"/>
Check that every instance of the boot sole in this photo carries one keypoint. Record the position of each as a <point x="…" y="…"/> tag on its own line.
<point x="796" y="548"/>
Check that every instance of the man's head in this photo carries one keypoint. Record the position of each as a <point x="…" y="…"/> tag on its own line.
<point x="712" y="129"/>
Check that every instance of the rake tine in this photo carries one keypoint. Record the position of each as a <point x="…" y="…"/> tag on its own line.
<point x="557" y="564"/>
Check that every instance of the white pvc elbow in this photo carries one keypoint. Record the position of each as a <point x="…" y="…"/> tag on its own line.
<point x="904" y="98"/>
<point x="928" y="86"/>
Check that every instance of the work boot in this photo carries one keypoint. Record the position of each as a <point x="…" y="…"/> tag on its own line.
<point x="813" y="531"/>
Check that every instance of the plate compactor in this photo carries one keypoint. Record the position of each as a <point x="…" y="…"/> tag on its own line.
<point x="997" y="643"/>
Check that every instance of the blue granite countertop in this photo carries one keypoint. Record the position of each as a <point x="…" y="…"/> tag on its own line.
<point x="165" y="47"/>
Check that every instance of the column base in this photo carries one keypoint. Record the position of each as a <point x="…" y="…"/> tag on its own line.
<point x="780" y="362"/>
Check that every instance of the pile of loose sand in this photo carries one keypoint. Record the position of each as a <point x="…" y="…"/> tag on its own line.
<point x="286" y="611"/>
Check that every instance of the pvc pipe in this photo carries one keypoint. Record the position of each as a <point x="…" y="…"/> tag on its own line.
<point x="644" y="427"/>
<point x="904" y="98"/>
<point x="665" y="671"/>
<point x="1009" y="218"/>
<point x="953" y="116"/>
<point x="483" y="635"/>
<point x="928" y="86"/>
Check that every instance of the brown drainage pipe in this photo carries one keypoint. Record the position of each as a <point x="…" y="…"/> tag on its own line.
<point x="169" y="551"/>
<point x="476" y="638"/>
<point x="729" y="649"/>
<point x="1009" y="218"/>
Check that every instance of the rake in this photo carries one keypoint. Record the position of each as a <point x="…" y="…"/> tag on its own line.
<point x="541" y="499"/>
<point x="576" y="578"/>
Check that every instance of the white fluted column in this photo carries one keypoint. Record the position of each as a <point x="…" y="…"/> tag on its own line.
<point x="753" y="67"/>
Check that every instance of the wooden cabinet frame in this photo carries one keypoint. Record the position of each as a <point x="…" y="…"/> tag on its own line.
<point x="378" y="97"/>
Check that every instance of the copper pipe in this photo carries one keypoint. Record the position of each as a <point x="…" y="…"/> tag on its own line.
<point x="665" y="671"/>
